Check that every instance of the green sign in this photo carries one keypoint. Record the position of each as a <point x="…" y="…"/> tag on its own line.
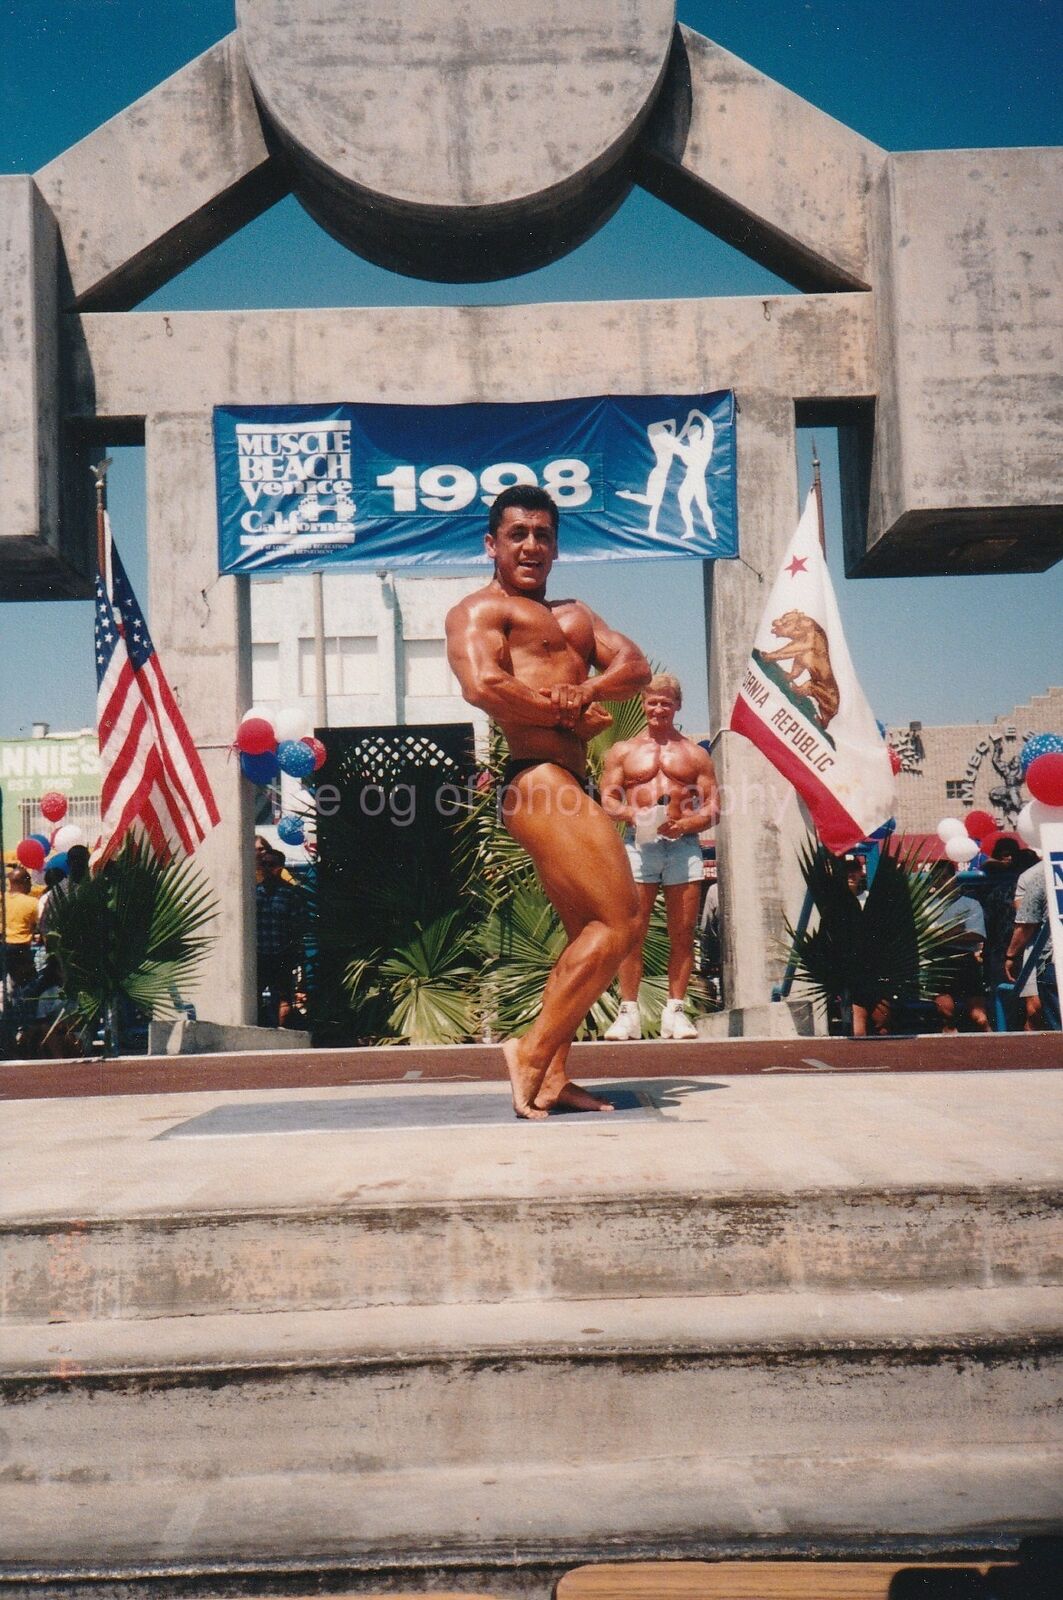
<point x="69" y="763"/>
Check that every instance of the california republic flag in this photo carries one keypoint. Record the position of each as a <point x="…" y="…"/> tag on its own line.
<point x="801" y="705"/>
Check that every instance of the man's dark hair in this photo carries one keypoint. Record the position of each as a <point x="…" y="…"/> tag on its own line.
<point x="529" y="497"/>
<point x="276" y="858"/>
<point x="1006" y="850"/>
<point x="77" y="862"/>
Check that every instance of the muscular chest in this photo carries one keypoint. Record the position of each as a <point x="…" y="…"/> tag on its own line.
<point x="551" y="635"/>
<point x="650" y="761"/>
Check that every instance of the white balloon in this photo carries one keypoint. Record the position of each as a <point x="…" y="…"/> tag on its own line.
<point x="1040" y="814"/>
<point x="951" y="828"/>
<point x="961" y="850"/>
<point x="257" y="711"/>
<point x="292" y="723"/>
<point x="70" y="835"/>
<point x="1027" y="829"/>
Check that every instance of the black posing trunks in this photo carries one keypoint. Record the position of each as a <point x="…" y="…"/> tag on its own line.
<point x="515" y="766"/>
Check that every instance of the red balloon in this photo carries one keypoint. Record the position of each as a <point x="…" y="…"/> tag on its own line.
<point x="978" y="824"/>
<point x="895" y="760"/>
<point x="1044" y="778"/>
<point x="53" y="805"/>
<point x="31" y="854"/>
<point x="320" y="753"/>
<point x="988" y="840"/>
<point x="255" y="737"/>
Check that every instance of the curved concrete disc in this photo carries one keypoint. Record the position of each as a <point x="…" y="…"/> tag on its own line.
<point x="457" y="138"/>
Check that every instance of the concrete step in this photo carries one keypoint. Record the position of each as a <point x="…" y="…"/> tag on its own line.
<point x="649" y="1242"/>
<point x="357" y="1433"/>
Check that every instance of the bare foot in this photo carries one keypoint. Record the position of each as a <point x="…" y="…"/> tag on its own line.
<point x="525" y="1083"/>
<point x="571" y="1096"/>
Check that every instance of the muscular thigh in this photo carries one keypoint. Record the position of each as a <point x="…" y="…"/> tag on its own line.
<point x="681" y="904"/>
<point x="575" y="847"/>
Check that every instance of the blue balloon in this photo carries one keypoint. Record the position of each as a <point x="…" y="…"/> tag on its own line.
<point x="260" y="769"/>
<point x="296" y="758"/>
<point x="42" y="839"/>
<point x="290" y="829"/>
<point x="58" y="860"/>
<point x="1042" y="744"/>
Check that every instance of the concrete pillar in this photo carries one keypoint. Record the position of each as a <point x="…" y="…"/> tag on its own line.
<point x="760" y="828"/>
<point x="201" y="626"/>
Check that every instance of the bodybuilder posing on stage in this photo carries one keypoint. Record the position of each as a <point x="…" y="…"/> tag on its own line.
<point x="527" y="661"/>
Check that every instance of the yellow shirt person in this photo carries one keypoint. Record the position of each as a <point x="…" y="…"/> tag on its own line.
<point x="21" y="909"/>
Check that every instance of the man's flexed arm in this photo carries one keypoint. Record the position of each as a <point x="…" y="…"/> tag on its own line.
<point x="478" y="653"/>
<point x="622" y="668"/>
<point x="707" y="810"/>
<point x="612" y="787"/>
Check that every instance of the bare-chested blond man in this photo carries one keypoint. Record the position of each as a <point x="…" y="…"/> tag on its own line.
<point x="527" y="661"/>
<point x="660" y="765"/>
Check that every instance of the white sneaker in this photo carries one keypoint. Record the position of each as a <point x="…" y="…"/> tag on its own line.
<point x="628" y="1024"/>
<point x="675" y="1024"/>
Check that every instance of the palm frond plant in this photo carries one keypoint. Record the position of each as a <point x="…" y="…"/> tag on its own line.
<point x="901" y="945"/>
<point x="490" y="864"/>
<point x="421" y="991"/>
<point x="136" y="932"/>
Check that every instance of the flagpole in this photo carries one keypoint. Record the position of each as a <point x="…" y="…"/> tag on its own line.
<point x="817" y="484"/>
<point x="102" y="563"/>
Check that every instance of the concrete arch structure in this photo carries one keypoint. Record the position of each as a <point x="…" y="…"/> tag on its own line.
<point x="928" y="331"/>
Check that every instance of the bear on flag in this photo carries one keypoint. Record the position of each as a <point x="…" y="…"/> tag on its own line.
<point x="801" y="705"/>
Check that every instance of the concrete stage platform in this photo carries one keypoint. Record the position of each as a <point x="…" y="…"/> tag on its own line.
<point x="483" y="1063"/>
<point x="383" y="1332"/>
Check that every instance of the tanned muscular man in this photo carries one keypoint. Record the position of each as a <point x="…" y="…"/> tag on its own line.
<point x="670" y="781"/>
<point x="527" y="662"/>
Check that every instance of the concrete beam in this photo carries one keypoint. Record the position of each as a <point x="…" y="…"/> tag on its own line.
<point x="43" y="555"/>
<point x="762" y="168"/>
<point x="159" y="185"/>
<point x="819" y="346"/>
<point x="968" y="249"/>
<point x="201" y="626"/>
<point x="457" y="143"/>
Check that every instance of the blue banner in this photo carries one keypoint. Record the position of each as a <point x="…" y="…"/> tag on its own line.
<point x="302" y="488"/>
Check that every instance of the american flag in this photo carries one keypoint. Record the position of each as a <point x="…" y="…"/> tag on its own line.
<point x="154" y="785"/>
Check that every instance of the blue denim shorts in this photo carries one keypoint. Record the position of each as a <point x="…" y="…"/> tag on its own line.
<point x="665" y="861"/>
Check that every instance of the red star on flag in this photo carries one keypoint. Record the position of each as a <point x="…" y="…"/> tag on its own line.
<point x="796" y="564"/>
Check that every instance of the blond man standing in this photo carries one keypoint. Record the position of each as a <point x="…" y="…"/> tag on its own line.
<point x="664" y="787"/>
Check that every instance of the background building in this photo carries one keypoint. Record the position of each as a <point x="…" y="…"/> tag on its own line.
<point x="29" y="768"/>
<point x="947" y="771"/>
<point x="385" y="653"/>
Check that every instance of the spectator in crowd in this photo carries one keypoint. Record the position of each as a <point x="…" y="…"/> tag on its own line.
<point x="77" y="866"/>
<point x="662" y="785"/>
<point x="20" y="925"/>
<point x="709" y="923"/>
<point x="1002" y="871"/>
<point x="872" y="1013"/>
<point x="279" y="928"/>
<point x="41" y="1029"/>
<point x="53" y="877"/>
<point x="963" y="1005"/>
<point x="856" y="877"/>
<point x="263" y="848"/>
<point x="1031" y="915"/>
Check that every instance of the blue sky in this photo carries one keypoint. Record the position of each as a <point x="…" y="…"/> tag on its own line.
<point x="907" y="75"/>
